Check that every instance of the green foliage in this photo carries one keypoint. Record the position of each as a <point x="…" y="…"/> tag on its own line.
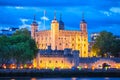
<point x="106" y="43"/>
<point x="19" y="47"/>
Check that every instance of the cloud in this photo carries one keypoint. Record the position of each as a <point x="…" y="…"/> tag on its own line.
<point x="115" y="9"/>
<point x="24" y="25"/>
<point x="23" y="20"/>
<point x="107" y="13"/>
<point x="18" y="7"/>
<point x="45" y="18"/>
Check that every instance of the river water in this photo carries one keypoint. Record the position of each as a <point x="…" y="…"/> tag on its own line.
<point x="23" y="78"/>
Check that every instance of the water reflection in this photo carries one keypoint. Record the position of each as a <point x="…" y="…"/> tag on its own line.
<point x="23" y="78"/>
<point x="73" y="78"/>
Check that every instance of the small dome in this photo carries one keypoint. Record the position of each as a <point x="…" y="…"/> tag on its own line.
<point x="83" y="21"/>
<point x="35" y="23"/>
<point x="61" y="22"/>
<point x="54" y="21"/>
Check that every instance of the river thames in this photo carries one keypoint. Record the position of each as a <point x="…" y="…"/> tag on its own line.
<point x="22" y="78"/>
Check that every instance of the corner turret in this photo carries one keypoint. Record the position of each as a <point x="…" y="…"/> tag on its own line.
<point x="34" y="27"/>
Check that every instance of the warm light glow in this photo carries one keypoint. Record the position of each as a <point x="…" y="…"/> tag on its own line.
<point x="86" y="66"/>
<point x="93" y="68"/>
<point x="12" y="66"/>
<point x="21" y="67"/>
<point x="33" y="79"/>
<point x="4" y="66"/>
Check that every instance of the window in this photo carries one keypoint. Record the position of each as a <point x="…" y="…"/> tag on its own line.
<point x="49" y="61"/>
<point x="61" y="61"/>
<point x="55" y="61"/>
<point x="84" y="45"/>
<point x="40" y="61"/>
<point x="72" y="44"/>
<point x="84" y="52"/>
<point x="60" y="44"/>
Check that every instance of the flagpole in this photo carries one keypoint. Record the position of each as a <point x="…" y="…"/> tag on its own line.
<point x="44" y="19"/>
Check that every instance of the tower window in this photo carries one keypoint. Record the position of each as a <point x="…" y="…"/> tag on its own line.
<point x="84" y="52"/>
<point x="72" y="44"/>
<point x="84" y="45"/>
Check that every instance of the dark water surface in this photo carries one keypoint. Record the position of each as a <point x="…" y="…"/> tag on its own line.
<point x="22" y="78"/>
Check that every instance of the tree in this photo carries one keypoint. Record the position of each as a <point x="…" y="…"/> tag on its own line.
<point x="4" y="49"/>
<point x="105" y="44"/>
<point x="20" y="47"/>
<point x="25" y="45"/>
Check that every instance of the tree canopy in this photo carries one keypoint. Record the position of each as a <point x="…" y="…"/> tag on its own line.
<point x="19" y="47"/>
<point x="107" y="44"/>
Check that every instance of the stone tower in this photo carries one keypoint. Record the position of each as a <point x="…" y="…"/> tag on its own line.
<point x="54" y="32"/>
<point x="83" y="26"/>
<point x="34" y="27"/>
<point x="61" y="23"/>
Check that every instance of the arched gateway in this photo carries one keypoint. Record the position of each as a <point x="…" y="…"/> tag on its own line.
<point x="104" y="62"/>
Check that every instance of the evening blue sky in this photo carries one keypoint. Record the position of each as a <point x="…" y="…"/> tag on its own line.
<point x="99" y="14"/>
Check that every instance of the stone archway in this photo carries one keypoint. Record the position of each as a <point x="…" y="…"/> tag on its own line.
<point x="104" y="62"/>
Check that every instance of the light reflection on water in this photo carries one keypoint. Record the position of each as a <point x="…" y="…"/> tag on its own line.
<point x="22" y="78"/>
